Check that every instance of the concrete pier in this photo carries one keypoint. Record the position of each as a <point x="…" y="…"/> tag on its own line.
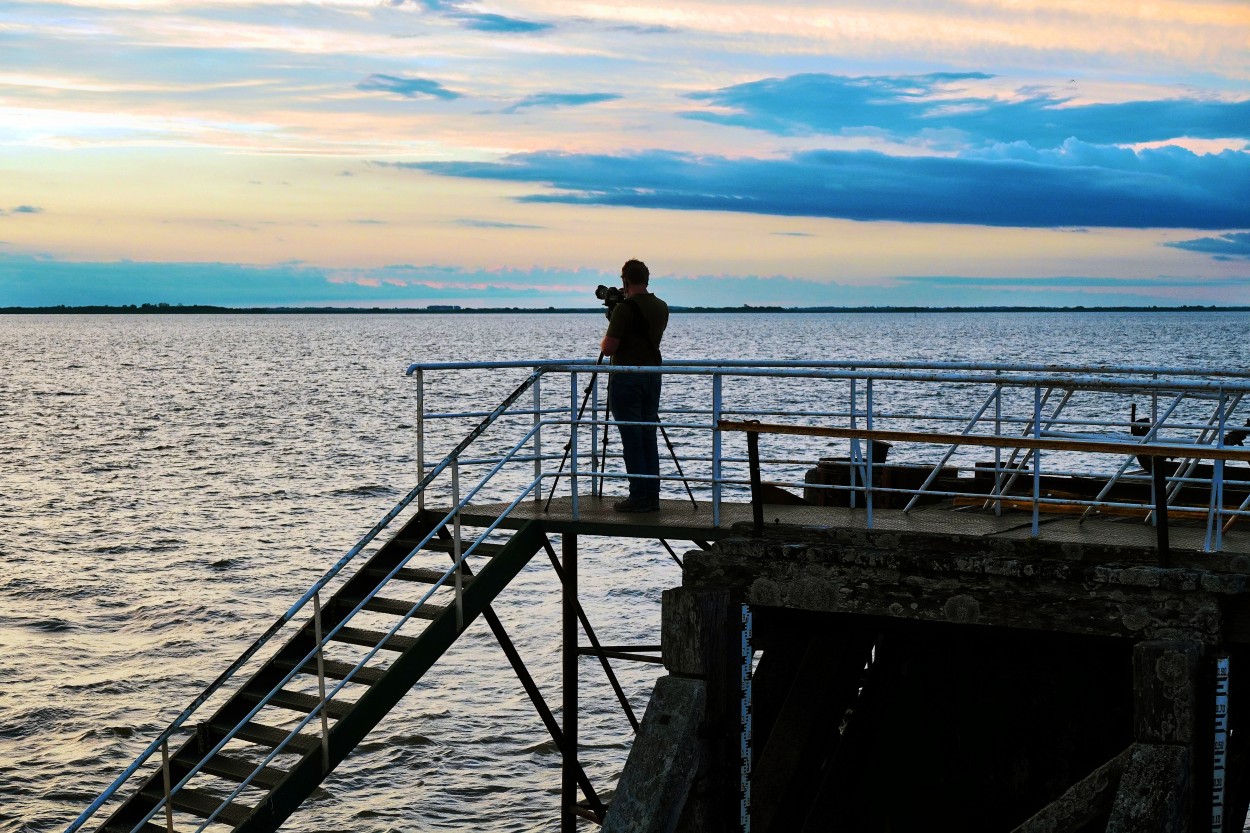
<point x="910" y="680"/>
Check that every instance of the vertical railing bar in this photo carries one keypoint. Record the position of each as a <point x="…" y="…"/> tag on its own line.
<point x="1035" y="427"/>
<point x="420" y="374"/>
<point x="321" y="683"/>
<point x="1037" y="456"/>
<point x="856" y="459"/>
<point x="596" y="482"/>
<point x="1219" y="479"/>
<point x="169" y="807"/>
<point x="872" y="451"/>
<point x="538" y="439"/>
<point x="456" y="543"/>
<point x="998" y="432"/>
<point x="716" y="448"/>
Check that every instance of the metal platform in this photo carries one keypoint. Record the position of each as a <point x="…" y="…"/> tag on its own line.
<point x="680" y="519"/>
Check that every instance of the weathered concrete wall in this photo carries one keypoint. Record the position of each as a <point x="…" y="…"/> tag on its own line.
<point x="1018" y="583"/>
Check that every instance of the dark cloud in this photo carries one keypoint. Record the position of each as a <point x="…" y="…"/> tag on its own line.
<point x="1224" y="247"/>
<point x="1075" y="185"/>
<point x="559" y="100"/>
<point x="27" y="209"/>
<point x="911" y="106"/>
<point x="480" y="21"/>
<point x="407" y="87"/>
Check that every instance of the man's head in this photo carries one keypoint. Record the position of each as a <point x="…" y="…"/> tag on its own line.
<point x="635" y="273"/>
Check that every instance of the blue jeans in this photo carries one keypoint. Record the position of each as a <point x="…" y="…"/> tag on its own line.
<point x="635" y="397"/>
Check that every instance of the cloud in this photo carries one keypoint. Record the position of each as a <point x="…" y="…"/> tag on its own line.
<point x="494" y="224"/>
<point x="1075" y="185"/>
<point x="459" y="11"/>
<point x="559" y="100"/>
<point x="911" y="106"/>
<point x="1224" y="247"/>
<point x="407" y="87"/>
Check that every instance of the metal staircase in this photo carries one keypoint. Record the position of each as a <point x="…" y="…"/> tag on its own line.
<point x="246" y="768"/>
<point x="276" y="736"/>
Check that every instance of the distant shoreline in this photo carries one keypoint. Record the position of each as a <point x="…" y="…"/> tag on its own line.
<point x="203" y="309"/>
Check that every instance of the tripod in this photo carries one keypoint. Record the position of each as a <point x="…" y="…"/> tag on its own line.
<point x="603" y="464"/>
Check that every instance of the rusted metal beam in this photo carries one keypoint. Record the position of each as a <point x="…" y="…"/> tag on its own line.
<point x="1201" y="452"/>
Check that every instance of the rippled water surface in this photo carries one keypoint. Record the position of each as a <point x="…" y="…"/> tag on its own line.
<point x="170" y="484"/>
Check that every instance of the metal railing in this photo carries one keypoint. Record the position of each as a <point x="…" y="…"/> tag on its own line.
<point x="1038" y="421"/>
<point x="1051" y="421"/>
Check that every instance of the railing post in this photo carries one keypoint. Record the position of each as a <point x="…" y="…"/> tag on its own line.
<point x="455" y="538"/>
<point x="1159" y="479"/>
<point x="576" y="509"/>
<point x="321" y="684"/>
<point x="538" y="439"/>
<point x="998" y="432"/>
<point x="169" y="807"/>
<point x="1037" y="457"/>
<point x="420" y="374"/>
<point x="757" y="489"/>
<point x="596" y="483"/>
<point x="716" y="449"/>
<point x="855" y="455"/>
<point x="872" y="450"/>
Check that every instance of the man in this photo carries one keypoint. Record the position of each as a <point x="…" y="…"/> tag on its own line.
<point x="633" y="338"/>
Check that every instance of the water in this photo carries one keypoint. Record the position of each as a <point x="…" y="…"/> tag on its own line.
<point x="170" y="484"/>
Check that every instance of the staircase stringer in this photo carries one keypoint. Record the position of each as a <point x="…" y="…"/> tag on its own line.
<point x="405" y="671"/>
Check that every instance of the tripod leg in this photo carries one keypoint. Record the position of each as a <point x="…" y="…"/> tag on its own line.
<point x="673" y="453"/>
<point x="580" y="411"/>
<point x="603" y="451"/>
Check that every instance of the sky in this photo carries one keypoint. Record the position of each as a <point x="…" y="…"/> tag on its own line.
<point x="409" y="153"/>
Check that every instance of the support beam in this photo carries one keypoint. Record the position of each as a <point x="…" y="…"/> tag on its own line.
<point x="1084" y="803"/>
<point x="1154" y="791"/>
<point x="569" y="627"/>
<point x="651" y="794"/>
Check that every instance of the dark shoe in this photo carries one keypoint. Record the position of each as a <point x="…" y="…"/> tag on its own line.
<point x="632" y="505"/>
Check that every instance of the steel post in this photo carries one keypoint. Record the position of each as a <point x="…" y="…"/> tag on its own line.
<point x="716" y="449"/>
<point x="569" y="658"/>
<point x="538" y="439"/>
<point x="420" y="374"/>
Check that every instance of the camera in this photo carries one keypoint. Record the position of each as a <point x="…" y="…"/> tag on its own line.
<point x="611" y="296"/>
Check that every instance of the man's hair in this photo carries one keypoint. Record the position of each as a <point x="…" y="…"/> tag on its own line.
<point x="635" y="272"/>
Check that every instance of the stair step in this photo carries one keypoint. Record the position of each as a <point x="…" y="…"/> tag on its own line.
<point x="203" y="804"/>
<point x="423" y="575"/>
<point x="238" y="770"/>
<point x="368" y="638"/>
<point x="299" y="702"/>
<point x="394" y="607"/>
<point x="336" y="670"/>
<point x="446" y="545"/>
<point x="268" y="736"/>
<point x="148" y="827"/>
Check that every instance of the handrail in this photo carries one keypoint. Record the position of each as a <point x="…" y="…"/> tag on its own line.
<point x="291" y="612"/>
<point x="849" y="364"/>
